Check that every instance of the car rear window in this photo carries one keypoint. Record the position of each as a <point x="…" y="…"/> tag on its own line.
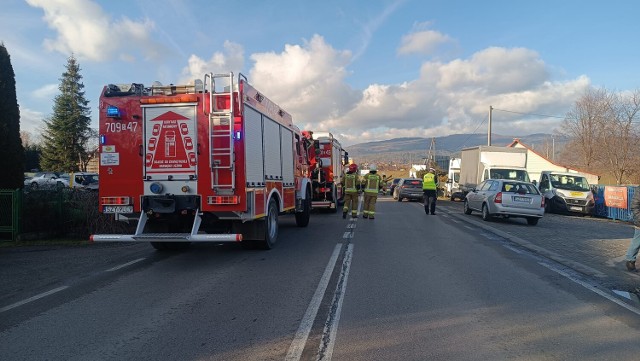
<point x="413" y="183"/>
<point x="522" y="188"/>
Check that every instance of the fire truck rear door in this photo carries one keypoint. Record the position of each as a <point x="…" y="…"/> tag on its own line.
<point x="170" y="150"/>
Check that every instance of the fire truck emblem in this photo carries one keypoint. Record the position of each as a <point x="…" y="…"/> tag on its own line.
<point x="170" y="145"/>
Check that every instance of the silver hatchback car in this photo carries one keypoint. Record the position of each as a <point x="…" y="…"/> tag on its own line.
<point x="506" y="198"/>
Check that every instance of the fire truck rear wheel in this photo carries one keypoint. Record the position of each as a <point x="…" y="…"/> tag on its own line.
<point x="271" y="225"/>
<point x="302" y="218"/>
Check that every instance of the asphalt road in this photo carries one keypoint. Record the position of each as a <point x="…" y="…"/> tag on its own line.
<point x="405" y="286"/>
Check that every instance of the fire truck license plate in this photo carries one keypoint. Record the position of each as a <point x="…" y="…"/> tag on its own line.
<point x="117" y="209"/>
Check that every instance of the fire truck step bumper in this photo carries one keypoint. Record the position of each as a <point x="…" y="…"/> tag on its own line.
<point x="323" y="204"/>
<point x="166" y="237"/>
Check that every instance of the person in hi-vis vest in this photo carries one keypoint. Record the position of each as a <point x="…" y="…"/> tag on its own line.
<point x="429" y="188"/>
<point x="371" y="182"/>
<point x="350" y="184"/>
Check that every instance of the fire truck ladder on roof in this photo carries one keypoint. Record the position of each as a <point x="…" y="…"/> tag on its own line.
<point x="223" y="179"/>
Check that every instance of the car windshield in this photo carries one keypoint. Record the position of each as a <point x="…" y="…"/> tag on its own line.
<point x="513" y="174"/>
<point x="569" y="182"/>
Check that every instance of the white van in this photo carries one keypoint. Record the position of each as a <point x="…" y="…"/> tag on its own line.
<point x="566" y="192"/>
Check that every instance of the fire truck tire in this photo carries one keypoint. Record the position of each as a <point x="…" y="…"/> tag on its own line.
<point x="302" y="218"/>
<point x="271" y="226"/>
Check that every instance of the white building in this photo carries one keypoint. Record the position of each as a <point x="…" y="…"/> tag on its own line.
<point x="536" y="163"/>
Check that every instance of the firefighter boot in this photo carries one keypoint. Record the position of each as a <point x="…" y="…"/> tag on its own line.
<point x="354" y="215"/>
<point x="344" y="214"/>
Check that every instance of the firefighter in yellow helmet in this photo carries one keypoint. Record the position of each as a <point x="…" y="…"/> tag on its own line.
<point x="371" y="183"/>
<point x="430" y="191"/>
<point x="350" y="184"/>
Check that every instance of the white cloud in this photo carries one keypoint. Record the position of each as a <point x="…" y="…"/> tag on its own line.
<point x="423" y="42"/>
<point x="231" y="59"/>
<point x="454" y="97"/>
<point x="31" y="121"/>
<point x="85" y="30"/>
<point x="306" y="80"/>
<point x="46" y="92"/>
<point x="309" y="81"/>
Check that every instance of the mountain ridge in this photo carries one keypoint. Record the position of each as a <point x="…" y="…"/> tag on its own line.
<point x="448" y="145"/>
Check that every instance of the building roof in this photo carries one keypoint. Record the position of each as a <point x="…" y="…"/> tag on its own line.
<point x="517" y="141"/>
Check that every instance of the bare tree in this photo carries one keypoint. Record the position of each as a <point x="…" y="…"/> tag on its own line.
<point x="584" y="124"/>
<point x="620" y="136"/>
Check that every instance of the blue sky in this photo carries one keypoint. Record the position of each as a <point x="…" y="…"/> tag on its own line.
<point x="363" y="70"/>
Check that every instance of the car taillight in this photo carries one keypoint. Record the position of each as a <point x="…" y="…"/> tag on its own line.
<point x="498" y="198"/>
<point x="542" y="203"/>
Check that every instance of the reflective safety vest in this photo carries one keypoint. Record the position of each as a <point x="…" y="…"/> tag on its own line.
<point x="372" y="183"/>
<point x="429" y="182"/>
<point x="350" y="183"/>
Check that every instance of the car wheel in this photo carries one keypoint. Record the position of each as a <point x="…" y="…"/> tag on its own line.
<point x="532" y="221"/>
<point x="467" y="210"/>
<point x="486" y="216"/>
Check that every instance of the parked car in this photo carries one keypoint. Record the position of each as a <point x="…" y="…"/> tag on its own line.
<point x="409" y="188"/>
<point x="47" y="180"/>
<point x="393" y="185"/>
<point x="86" y="180"/>
<point x="506" y="198"/>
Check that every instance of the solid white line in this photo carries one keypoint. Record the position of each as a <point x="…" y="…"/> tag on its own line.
<point x="297" y="345"/>
<point x="30" y="299"/>
<point x="593" y="289"/>
<point x="125" y="265"/>
<point x="326" y="352"/>
<point x="512" y="249"/>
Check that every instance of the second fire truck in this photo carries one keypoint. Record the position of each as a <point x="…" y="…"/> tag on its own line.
<point x="213" y="161"/>
<point x="327" y="169"/>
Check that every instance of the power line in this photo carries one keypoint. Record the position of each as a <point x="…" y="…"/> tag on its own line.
<point x="539" y="115"/>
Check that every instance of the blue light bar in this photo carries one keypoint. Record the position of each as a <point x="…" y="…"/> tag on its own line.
<point x="103" y="139"/>
<point x="113" y="112"/>
<point x="237" y="135"/>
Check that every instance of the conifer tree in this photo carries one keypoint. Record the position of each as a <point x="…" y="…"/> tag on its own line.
<point x="67" y="130"/>
<point x="11" y="150"/>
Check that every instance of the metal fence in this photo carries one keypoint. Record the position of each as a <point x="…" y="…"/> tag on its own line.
<point x="601" y="210"/>
<point x="10" y="210"/>
<point x="27" y="214"/>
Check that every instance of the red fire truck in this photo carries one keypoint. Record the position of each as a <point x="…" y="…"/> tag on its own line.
<point x="215" y="161"/>
<point x="327" y="165"/>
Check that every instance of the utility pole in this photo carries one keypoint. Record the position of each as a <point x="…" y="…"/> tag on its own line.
<point x="431" y="154"/>
<point x="489" y="132"/>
